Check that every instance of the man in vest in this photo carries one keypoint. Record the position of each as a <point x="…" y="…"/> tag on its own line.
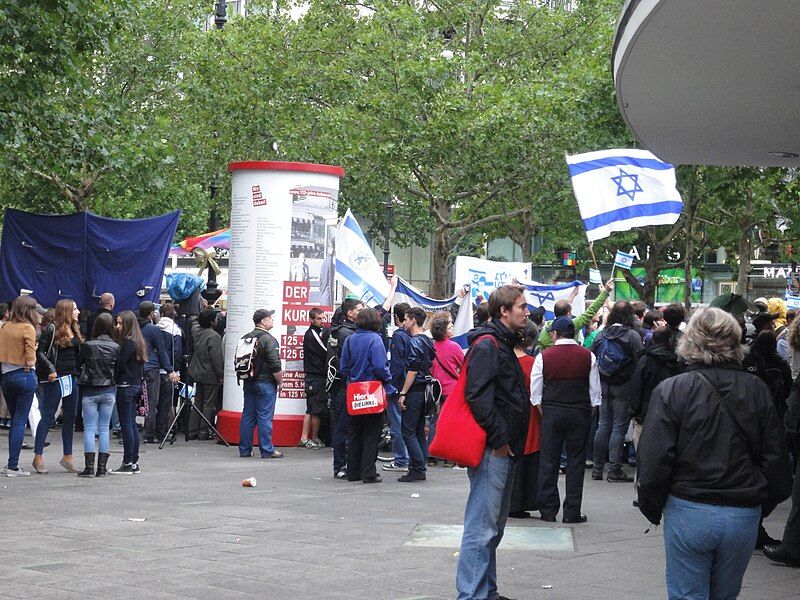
<point x="565" y="386"/>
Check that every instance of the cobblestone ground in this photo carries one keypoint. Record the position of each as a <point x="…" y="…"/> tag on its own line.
<point x="186" y="528"/>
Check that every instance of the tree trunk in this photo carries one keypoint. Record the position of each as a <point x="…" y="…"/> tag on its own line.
<point x="441" y="253"/>
<point x="688" y="249"/>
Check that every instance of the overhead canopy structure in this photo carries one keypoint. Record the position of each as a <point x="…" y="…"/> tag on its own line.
<point x="712" y="82"/>
<point x="82" y="255"/>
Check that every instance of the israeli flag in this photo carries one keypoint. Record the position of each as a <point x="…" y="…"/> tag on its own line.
<point x="406" y="292"/>
<point x="546" y="296"/>
<point x="623" y="260"/>
<point x="357" y="269"/>
<point x="618" y="190"/>
<point x="463" y="324"/>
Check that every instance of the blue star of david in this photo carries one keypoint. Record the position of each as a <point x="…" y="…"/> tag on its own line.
<point x="629" y="192"/>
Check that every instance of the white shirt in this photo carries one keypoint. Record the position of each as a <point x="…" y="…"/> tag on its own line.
<point x="537" y="380"/>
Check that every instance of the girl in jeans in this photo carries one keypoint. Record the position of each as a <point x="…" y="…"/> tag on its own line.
<point x="17" y="360"/>
<point x="133" y="355"/>
<point x="57" y="356"/>
<point x="98" y="362"/>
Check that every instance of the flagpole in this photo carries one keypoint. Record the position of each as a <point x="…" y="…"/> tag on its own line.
<point x="594" y="258"/>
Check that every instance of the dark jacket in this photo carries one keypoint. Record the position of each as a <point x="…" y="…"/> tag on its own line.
<point x="129" y="370"/>
<point x="655" y="364"/>
<point x="419" y="358"/>
<point x="775" y="372"/>
<point x="314" y="353"/>
<point x="97" y="362"/>
<point x="364" y="359"/>
<point x="268" y="357"/>
<point x="398" y="356"/>
<point x="691" y="449"/>
<point x="157" y="357"/>
<point x="51" y="358"/>
<point x="207" y="364"/>
<point x="495" y="387"/>
<point x="339" y="334"/>
<point x="617" y="387"/>
<point x="91" y="319"/>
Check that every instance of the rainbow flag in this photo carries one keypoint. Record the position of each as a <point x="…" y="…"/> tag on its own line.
<point x="214" y="239"/>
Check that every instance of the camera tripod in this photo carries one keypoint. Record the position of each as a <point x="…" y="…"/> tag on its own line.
<point x="186" y="398"/>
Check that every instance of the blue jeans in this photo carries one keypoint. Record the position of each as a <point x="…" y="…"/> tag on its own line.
<point x="259" y="407"/>
<point x="413" y="427"/>
<point x="708" y="548"/>
<point x="610" y="436"/>
<point x="126" y="407"/>
<point x="394" y="417"/>
<point x="490" y="486"/>
<point x="49" y="397"/>
<point x="97" y="406"/>
<point x="18" y="389"/>
<point x="340" y="422"/>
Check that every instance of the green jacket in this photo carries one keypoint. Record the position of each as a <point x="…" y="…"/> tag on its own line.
<point x="581" y="321"/>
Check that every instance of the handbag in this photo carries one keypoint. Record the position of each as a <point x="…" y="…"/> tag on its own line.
<point x="365" y="398"/>
<point x="433" y="395"/>
<point x="459" y="438"/>
<point x="142" y="401"/>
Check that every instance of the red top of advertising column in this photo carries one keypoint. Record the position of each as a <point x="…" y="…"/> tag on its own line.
<point x="269" y="165"/>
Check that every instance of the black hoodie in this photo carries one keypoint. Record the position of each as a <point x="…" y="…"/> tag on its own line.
<point x="495" y="388"/>
<point x="655" y="364"/>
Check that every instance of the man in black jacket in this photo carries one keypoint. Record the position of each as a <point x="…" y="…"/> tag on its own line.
<point x="495" y="391"/>
<point x="340" y="420"/>
<point x="314" y="368"/>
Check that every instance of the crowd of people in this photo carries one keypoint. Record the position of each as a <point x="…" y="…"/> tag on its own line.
<point x="702" y="413"/>
<point x="113" y="366"/>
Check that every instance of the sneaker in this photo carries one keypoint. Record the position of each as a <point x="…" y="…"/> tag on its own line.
<point x="411" y="477"/>
<point x="305" y="444"/>
<point x="597" y="474"/>
<point x="135" y="469"/>
<point x="393" y="467"/>
<point x="9" y="472"/>
<point x="618" y="477"/>
<point x="122" y="470"/>
<point x="316" y="444"/>
<point x="340" y="475"/>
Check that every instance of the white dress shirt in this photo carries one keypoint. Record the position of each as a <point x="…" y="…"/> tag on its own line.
<point x="537" y="379"/>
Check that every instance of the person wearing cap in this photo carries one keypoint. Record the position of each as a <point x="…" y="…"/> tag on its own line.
<point x="261" y="390"/>
<point x="565" y="385"/>
<point x="157" y="421"/>
<point x="563" y="308"/>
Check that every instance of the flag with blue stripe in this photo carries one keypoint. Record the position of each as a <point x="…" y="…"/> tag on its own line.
<point x="540" y="294"/>
<point x="357" y="269"/>
<point x="618" y="190"/>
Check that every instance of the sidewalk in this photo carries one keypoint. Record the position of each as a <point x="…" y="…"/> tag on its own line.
<point x="186" y="528"/>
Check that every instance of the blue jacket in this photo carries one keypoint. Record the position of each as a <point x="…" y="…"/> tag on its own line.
<point x="419" y="357"/>
<point x="157" y="356"/>
<point x="398" y="363"/>
<point x="364" y="359"/>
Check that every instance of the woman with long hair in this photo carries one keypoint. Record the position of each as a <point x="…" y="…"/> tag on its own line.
<point x="711" y="458"/>
<point x="97" y="364"/>
<point x="17" y="362"/>
<point x="57" y="356"/>
<point x="130" y="372"/>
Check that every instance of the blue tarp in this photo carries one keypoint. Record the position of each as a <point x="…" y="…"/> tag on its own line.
<point x="82" y="255"/>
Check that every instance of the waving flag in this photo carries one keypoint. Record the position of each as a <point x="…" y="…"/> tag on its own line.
<point x="214" y="239"/>
<point x="407" y="293"/>
<point x="357" y="269"/>
<point x="540" y="294"/>
<point x="618" y="190"/>
<point x="623" y="260"/>
<point x="463" y="324"/>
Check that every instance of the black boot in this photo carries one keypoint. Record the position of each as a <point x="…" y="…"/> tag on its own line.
<point x="102" y="461"/>
<point x="89" y="470"/>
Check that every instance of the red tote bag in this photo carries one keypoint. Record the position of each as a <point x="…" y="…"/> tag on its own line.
<point x="458" y="437"/>
<point x="365" y="398"/>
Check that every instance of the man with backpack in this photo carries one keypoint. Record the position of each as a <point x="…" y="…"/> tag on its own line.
<point x="262" y="381"/>
<point x="420" y="355"/>
<point x="616" y="348"/>
<point x="340" y="420"/>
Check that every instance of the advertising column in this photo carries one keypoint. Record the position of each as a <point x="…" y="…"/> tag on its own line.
<point x="283" y="227"/>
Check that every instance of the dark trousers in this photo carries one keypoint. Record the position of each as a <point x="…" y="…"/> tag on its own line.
<point x="570" y="427"/>
<point x="791" y="534"/>
<point x="127" y="398"/>
<point x="413" y="428"/>
<point x="205" y="400"/>
<point x="159" y="397"/>
<point x="340" y="423"/>
<point x="362" y="450"/>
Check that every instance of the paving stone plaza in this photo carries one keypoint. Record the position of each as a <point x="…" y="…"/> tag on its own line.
<point x="186" y="528"/>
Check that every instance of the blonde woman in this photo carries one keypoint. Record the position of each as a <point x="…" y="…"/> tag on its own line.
<point x="57" y="356"/>
<point x="17" y="361"/>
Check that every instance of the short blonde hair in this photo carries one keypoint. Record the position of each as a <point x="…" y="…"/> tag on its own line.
<point x="711" y="337"/>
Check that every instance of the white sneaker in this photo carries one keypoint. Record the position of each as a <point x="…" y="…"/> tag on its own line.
<point x="393" y="467"/>
<point x="8" y="472"/>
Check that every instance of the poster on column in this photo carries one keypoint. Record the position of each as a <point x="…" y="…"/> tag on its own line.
<point x="283" y="227"/>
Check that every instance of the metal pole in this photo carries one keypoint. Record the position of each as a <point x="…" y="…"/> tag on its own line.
<point x="386" y="237"/>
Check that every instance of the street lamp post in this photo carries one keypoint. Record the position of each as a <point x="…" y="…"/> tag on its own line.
<point x="386" y="234"/>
